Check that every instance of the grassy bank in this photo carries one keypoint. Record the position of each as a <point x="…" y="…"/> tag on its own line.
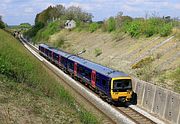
<point x="24" y="78"/>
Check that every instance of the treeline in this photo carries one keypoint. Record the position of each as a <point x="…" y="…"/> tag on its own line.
<point x="2" y="25"/>
<point x="54" y="17"/>
<point x="135" y="27"/>
<point x="61" y="14"/>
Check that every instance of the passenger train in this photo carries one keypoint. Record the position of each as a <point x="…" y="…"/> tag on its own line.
<point x="111" y="85"/>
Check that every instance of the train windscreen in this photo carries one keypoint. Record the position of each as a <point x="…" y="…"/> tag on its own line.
<point x="122" y="85"/>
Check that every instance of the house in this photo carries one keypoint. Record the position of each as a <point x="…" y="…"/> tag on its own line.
<point x="70" y="24"/>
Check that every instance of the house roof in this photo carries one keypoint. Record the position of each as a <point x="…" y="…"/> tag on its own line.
<point x="69" y="21"/>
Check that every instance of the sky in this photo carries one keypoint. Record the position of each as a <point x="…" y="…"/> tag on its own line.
<point x="15" y="12"/>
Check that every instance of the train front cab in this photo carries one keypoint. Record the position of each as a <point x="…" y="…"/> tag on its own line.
<point x="121" y="89"/>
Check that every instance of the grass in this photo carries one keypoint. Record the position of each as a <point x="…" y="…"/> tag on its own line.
<point x="171" y="76"/>
<point x="44" y="33"/>
<point x="60" y="41"/>
<point x="19" y="67"/>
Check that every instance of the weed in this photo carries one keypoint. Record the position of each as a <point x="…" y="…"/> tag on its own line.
<point x="97" y="52"/>
<point x="143" y="62"/>
<point x="60" y="41"/>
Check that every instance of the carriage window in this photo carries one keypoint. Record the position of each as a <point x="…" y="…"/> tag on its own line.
<point x="56" y="56"/>
<point x="71" y="65"/>
<point x="87" y="74"/>
<point x="97" y="79"/>
<point x="80" y="70"/>
<point x="103" y="82"/>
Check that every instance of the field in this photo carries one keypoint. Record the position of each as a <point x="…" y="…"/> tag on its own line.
<point x="29" y="94"/>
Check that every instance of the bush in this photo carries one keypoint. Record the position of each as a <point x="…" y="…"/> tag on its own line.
<point x="111" y="24"/>
<point x="81" y="26"/>
<point x="2" y="25"/>
<point x="165" y="30"/>
<point x="93" y="27"/>
<point x="33" y="31"/>
<point x="134" y="28"/>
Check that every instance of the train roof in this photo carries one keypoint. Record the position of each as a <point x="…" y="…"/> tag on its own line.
<point x="55" y="50"/>
<point x="87" y="63"/>
<point x="44" y="45"/>
<point x="62" y="53"/>
<point x="99" y="68"/>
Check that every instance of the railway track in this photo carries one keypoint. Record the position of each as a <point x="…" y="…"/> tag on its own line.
<point x="137" y="117"/>
<point x="130" y="113"/>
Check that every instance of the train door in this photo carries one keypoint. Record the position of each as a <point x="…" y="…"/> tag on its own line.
<point x="75" y="69"/>
<point x="59" y="60"/>
<point x="93" y="78"/>
<point x="52" y="55"/>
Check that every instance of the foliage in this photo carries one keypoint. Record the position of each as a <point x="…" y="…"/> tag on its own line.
<point x="122" y="20"/>
<point x="33" y="31"/>
<point x="143" y="62"/>
<point x="44" y="33"/>
<point x="60" y="12"/>
<point x="77" y="14"/>
<point x="25" y="25"/>
<point x="134" y="28"/>
<point x="93" y="27"/>
<point x="2" y="25"/>
<point x="147" y="27"/>
<point x="82" y="26"/>
<point x="111" y="24"/>
<point x="165" y="30"/>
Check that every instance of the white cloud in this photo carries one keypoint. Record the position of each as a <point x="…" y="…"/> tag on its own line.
<point x="130" y="8"/>
<point x="82" y="5"/>
<point x="176" y="6"/>
<point x="28" y="10"/>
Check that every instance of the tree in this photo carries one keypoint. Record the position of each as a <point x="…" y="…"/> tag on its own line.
<point x="111" y="24"/>
<point x="59" y="11"/>
<point x="77" y="14"/>
<point x="2" y="25"/>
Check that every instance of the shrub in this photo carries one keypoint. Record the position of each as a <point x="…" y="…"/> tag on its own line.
<point x="149" y="29"/>
<point x="33" y="31"/>
<point x="111" y="24"/>
<point x="165" y="30"/>
<point x="93" y="27"/>
<point x="2" y="25"/>
<point x="143" y="62"/>
<point x="134" y="28"/>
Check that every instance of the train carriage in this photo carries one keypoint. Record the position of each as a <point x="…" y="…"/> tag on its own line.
<point x="112" y="85"/>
